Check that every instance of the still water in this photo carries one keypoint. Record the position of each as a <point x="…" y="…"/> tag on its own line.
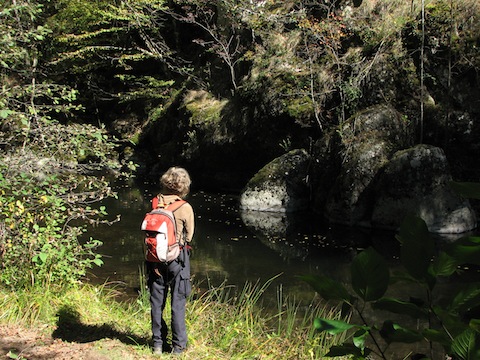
<point x="234" y="247"/>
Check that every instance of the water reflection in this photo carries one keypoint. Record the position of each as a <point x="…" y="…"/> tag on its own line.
<point x="233" y="246"/>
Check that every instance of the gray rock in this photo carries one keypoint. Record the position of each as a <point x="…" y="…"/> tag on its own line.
<point x="416" y="181"/>
<point x="368" y="141"/>
<point x="280" y="186"/>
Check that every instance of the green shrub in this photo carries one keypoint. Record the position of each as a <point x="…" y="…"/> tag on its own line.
<point x="38" y="241"/>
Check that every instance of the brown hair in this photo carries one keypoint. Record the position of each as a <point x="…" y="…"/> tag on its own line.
<point x="176" y="180"/>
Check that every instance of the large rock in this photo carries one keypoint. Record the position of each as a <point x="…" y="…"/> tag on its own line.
<point x="368" y="141"/>
<point x="416" y="181"/>
<point x="280" y="186"/>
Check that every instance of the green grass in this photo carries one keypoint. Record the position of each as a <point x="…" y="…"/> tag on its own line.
<point x="224" y="322"/>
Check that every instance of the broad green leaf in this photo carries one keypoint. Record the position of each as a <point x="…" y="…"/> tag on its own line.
<point x="98" y="262"/>
<point x="326" y="287"/>
<point x="444" y="265"/>
<point x="437" y="336"/>
<point x="400" y="307"/>
<point x="475" y="325"/>
<point x="465" y="346"/>
<point x="348" y="349"/>
<point x="370" y="275"/>
<point x="359" y="338"/>
<point x="417" y="247"/>
<point x="40" y="258"/>
<point x="465" y="250"/>
<point x="4" y="113"/>
<point x="392" y="332"/>
<point x="470" y="190"/>
<point x="333" y="327"/>
<point x="466" y="298"/>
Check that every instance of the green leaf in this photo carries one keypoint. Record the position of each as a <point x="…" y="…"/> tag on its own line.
<point x="417" y="247"/>
<point x="370" y="275"/>
<point x="437" y="336"/>
<point x="348" y="349"/>
<point x="400" y="307"/>
<point x="465" y="250"/>
<point x="333" y="327"/>
<point x="4" y="113"/>
<point x="392" y="332"/>
<point x="327" y="288"/>
<point x="40" y="258"/>
<point x="450" y="320"/>
<point x="475" y="325"/>
<point x="98" y="262"/>
<point x="465" y="347"/>
<point x="470" y="190"/>
<point x="466" y="298"/>
<point x="359" y="338"/>
<point x="444" y="265"/>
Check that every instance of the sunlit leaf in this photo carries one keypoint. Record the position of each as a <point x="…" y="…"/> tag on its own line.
<point x="465" y="346"/>
<point x="98" y="262"/>
<point x="359" y="338"/>
<point x="332" y="327"/>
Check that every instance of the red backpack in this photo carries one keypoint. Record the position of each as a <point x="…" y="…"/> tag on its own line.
<point x="161" y="232"/>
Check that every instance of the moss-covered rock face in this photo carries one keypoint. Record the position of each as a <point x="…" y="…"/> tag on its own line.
<point x="367" y="141"/>
<point x="382" y="178"/>
<point x="205" y="110"/>
<point x="280" y="186"/>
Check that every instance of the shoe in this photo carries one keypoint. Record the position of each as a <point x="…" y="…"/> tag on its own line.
<point x="157" y="350"/>
<point x="178" y="350"/>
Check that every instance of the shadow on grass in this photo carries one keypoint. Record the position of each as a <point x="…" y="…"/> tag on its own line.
<point x="70" y="328"/>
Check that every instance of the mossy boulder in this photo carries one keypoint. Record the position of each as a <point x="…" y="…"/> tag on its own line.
<point x="416" y="181"/>
<point x="367" y="142"/>
<point x="280" y="186"/>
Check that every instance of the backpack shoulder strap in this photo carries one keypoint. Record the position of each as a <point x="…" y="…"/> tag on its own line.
<point x="158" y="201"/>
<point x="155" y="202"/>
<point x="175" y="205"/>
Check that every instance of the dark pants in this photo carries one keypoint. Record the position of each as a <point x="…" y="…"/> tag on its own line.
<point x="176" y="277"/>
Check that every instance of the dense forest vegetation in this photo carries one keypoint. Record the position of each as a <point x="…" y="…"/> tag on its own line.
<point x="201" y="83"/>
<point x="94" y="89"/>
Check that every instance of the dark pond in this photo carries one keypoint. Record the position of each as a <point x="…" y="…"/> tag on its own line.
<point x="233" y="246"/>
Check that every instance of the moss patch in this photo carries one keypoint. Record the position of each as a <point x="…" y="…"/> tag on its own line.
<point x="204" y="108"/>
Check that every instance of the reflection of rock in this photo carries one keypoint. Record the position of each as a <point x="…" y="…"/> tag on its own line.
<point x="271" y="228"/>
<point x="268" y="223"/>
<point x="285" y="233"/>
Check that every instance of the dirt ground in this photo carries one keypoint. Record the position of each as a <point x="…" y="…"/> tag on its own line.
<point x="39" y="344"/>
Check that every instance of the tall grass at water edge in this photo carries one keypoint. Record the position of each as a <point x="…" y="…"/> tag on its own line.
<point x="224" y="322"/>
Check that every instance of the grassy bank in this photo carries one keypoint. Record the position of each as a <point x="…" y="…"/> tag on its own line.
<point x="223" y="323"/>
